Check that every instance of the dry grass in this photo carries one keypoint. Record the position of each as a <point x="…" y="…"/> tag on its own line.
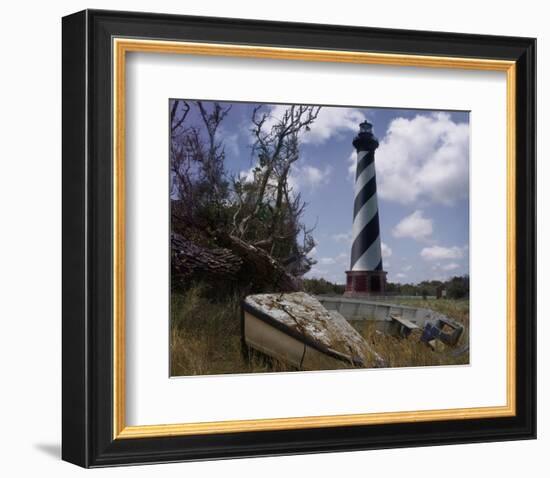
<point x="206" y="338"/>
<point x="410" y="353"/>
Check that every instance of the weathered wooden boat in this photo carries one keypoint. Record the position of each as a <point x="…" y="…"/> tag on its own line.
<point x="396" y="319"/>
<point x="296" y="329"/>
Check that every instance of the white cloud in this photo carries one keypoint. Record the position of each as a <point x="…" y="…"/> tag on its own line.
<point x="450" y="267"/>
<point x="344" y="237"/>
<point x="400" y="275"/>
<point x="424" y="158"/>
<point x="386" y="250"/>
<point x="407" y="268"/>
<point x="339" y="259"/>
<point x="415" y="226"/>
<point x="301" y="177"/>
<point x="437" y="253"/>
<point x="331" y="121"/>
<point x="309" y="177"/>
<point x="315" y="272"/>
<point x="247" y="176"/>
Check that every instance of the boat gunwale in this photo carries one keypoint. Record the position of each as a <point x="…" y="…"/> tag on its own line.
<point x="354" y="300"/>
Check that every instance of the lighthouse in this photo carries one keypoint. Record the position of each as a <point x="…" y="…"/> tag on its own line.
<point x="366" y="275"/>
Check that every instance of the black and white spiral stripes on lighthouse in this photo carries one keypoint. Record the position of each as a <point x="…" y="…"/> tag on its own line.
<point x="366" y="250"/>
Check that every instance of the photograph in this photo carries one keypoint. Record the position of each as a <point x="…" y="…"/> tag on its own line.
<point x="317" y="237"/>
<point x="288" y="236"/>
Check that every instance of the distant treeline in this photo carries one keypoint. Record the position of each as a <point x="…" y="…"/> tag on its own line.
<point x="322" y="286"/>
<point x="457" y="287"/>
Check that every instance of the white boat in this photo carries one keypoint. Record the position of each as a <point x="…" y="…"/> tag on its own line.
<point x="296" y="329"/>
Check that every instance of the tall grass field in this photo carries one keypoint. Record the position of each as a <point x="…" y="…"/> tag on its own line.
<point x="206" y="337"/>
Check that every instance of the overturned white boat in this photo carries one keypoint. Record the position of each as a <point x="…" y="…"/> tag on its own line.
<point x="296" y="329"/>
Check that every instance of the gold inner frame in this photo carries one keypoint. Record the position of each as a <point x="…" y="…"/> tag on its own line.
<point x="123" y="45"/>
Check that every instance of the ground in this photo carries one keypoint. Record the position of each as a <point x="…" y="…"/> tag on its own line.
<point x="206" y="338"/>
<point x="409" y="353"/>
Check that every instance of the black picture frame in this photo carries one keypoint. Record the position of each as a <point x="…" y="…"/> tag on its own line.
<point x="87" y="384"/>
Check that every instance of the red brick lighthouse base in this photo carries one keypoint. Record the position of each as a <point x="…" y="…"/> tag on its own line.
<point x="365" y="283"/>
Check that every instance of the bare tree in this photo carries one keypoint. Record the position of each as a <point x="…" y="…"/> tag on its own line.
<point x="268" y="212"/>
<point x="258" y="222"/>
<point x="198" y="178"/>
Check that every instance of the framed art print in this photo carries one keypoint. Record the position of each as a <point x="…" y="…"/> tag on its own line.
<point x="291" y="238"/>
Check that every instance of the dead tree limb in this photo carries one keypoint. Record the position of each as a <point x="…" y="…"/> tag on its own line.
<point x="262" y="272"/>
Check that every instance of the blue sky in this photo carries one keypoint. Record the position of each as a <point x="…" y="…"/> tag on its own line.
<point x="422" y="168"/>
